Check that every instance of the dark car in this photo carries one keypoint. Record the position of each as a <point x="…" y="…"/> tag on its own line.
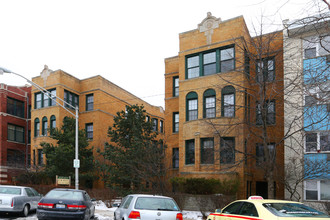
<point x="18" y="199"/>
<point x="66" y="204"/>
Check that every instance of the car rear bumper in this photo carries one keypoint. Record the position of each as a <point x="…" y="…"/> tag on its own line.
<point x="10" y="209"/>
<point x="49" y="214"/>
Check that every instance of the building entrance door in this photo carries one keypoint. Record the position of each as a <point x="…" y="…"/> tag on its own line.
<point x="262" y="189"/>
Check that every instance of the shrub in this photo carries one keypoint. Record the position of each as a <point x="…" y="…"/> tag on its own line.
<point x="203" y="186"/>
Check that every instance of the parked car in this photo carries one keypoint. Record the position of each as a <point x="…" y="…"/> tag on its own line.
<point x="257" y="208"/>
<point x="147" y="207"/>
<point x="66" y="204"/>
<point x="18" y="199"/>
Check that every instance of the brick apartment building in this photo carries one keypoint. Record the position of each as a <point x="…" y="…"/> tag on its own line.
<point x="98" y="99"/>
<point x="216" y="121"/>
<point x="15" y="105"/>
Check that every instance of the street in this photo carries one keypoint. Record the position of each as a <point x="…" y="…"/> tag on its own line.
<point x="101" y="213"/>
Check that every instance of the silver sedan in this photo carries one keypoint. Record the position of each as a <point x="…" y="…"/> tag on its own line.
<point x="18" y="199"/>
<point x="148" y="207"/>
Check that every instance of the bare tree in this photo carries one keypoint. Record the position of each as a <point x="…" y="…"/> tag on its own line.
<point x="264" y="93"/>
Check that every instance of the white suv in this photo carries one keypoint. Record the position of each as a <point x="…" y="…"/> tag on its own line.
<point x="147" y="207"/>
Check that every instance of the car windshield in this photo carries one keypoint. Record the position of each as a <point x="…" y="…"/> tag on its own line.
<point x="154" y="203"/>
<point x="292" y="210"/>
<point x="64" y="194"/>
<point x="10" y="190"/>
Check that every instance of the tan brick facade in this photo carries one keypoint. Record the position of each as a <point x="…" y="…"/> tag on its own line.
<point x="108" y="100"/>
<point x="214" y="35"/>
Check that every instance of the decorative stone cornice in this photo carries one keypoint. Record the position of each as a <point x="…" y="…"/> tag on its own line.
<point x="208" y="25"/>
<point x="45" y="73"/>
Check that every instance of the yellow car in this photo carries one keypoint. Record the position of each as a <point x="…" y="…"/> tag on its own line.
<point x="257" y="208"/>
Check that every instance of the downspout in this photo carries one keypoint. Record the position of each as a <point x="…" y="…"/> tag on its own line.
<point x="27" y="131"/>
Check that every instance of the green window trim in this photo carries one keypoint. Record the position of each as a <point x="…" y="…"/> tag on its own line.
<point x="226" y="108"/>
<point x="200" y="64"/>
<point x="190" y="152"/>
<point x="36" y="127"/>
<point x="71" y="98"/>
<point x="175" y="122"/>
<point x="41" y="100"/>
<point x="44" y="128"/>
<point x="52" y="123"/>
<point x="191" y="114"/>
<point x="209" y="111"/>
<point x="89" y="102"/>
<point x="207" y="151"/>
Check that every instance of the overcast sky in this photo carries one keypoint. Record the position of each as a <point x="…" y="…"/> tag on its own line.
<point x="126" y="42"/>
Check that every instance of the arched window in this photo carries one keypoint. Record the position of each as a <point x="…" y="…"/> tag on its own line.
<point x="36" y="127"/>
<point x="44" y="126"/>
<point x="209" y="104"/>
<point x="52" y="123"/>
<point x="228" y="101"/>
<point x="192" y="106"/>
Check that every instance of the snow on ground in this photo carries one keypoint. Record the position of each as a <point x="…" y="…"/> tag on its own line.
<point x="102" y="212"/>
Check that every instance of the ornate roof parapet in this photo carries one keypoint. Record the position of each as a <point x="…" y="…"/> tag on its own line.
<point x="208" y="25"/>
<point x="45" y="73"/>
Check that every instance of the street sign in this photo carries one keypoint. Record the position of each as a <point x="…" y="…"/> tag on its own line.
<point x="63" y="180"/>
<point x="76" y="163"/>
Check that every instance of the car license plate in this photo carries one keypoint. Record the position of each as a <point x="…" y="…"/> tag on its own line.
<point x="60" y="206"/>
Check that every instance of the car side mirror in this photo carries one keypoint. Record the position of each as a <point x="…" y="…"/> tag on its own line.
<point x="93" y="200"/>
<point x="218" y="210"/>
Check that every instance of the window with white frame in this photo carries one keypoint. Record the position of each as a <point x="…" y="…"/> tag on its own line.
<point x="317" y="189"/>
<point x="317" y="142"/>
<point x="317" y="96"/>
<point x="316" y="46"/>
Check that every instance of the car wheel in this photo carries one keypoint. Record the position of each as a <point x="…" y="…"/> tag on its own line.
<point x="25" y="211"/>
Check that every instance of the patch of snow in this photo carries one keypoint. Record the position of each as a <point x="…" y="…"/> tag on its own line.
<point x="192" y="215"/>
